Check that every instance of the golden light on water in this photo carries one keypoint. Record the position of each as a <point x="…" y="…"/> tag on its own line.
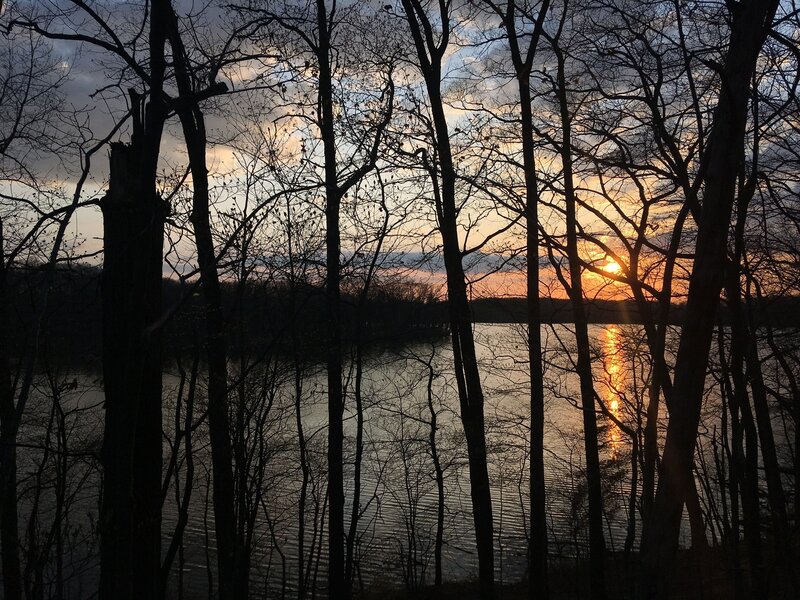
<point x="614" y="376"/>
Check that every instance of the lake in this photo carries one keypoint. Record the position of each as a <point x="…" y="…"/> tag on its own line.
<point x="398" y="500"/>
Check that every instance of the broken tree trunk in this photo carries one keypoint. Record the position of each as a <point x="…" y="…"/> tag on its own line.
<point x="133" y="222"/>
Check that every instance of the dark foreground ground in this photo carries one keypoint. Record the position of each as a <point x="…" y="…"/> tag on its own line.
<point x="697" y="576"/>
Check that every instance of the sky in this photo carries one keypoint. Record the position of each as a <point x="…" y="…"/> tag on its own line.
<point x="87" y="92"/>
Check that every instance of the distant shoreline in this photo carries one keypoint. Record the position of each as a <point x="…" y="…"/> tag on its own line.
<point x="779" y="312"/>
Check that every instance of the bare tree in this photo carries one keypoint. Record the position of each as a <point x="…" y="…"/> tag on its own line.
<point x="519" y="23"/>
<point x="28" y="107"/>
<point x="431" y="37"/>
<point x="573" y="284"/>
<point x="316" y="28"/>
<point x="750" y="25"/>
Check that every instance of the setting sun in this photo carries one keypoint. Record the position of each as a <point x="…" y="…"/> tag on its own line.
<point x="612" y="267"/>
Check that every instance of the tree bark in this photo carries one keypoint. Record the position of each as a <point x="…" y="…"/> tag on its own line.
<point x="133" y="230"/>
<point x="537" y="552"/>
<point x="336" y="541"/>
<point x="584" y="362"/>
<point x="748" y="463"/>
<point x="232" y="551"/>
<point x="9" y="523"/>
<point x="133" y="222"/>
<point x="468" y="381"/>
<point x="749" y="27"/>
<point x="775" y="493"/>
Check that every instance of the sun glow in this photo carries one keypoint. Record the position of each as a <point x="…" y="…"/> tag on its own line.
<point x="612" y="267"/>
<point x="615" y="380"/>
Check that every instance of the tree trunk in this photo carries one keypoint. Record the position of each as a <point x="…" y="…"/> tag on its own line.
<point x="301" y="437"/>
<point x="584" y="362"/>
<point x="232" y="551"/>
<point x="465" y="360"/>
<point x="751" y="21"/>
<point x="748" y="473"/>
<point x="788" y="373"/>
<point x="361" y="316"/>
<point x="336" y="541"/>
<point x="133" y="221"/>
<point x="9" y="525"/>
<point x="298" y="372"/>
<point x="630" y="535"/>
<point x="183" y="501"/>
<point x="775" y="493"/>
<point x="133" y="231"/>
<point x="439" y="475"/>
<point x="660" y="380"/>
<point x="232" y="579"/>
<point x="537" y="553"/>
<point x="523" y="63"/>
<point x="735" y="465"/>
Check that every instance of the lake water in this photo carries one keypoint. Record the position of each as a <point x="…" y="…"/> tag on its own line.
<point x="398" y="497"/>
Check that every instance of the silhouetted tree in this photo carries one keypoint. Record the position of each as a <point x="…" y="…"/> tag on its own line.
<point x="431" y="37"/>
<point x="750" y="25"/>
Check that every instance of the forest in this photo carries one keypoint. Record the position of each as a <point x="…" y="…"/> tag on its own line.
<point x="345" y="299"/>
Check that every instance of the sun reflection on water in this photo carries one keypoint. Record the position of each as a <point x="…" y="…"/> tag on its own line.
<point x="614" y="381"/>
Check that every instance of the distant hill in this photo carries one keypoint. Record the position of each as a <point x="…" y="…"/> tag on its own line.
<point x="553" y="310"/>
<point x="782" y="311"/>
<point x="264" y="318"/>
